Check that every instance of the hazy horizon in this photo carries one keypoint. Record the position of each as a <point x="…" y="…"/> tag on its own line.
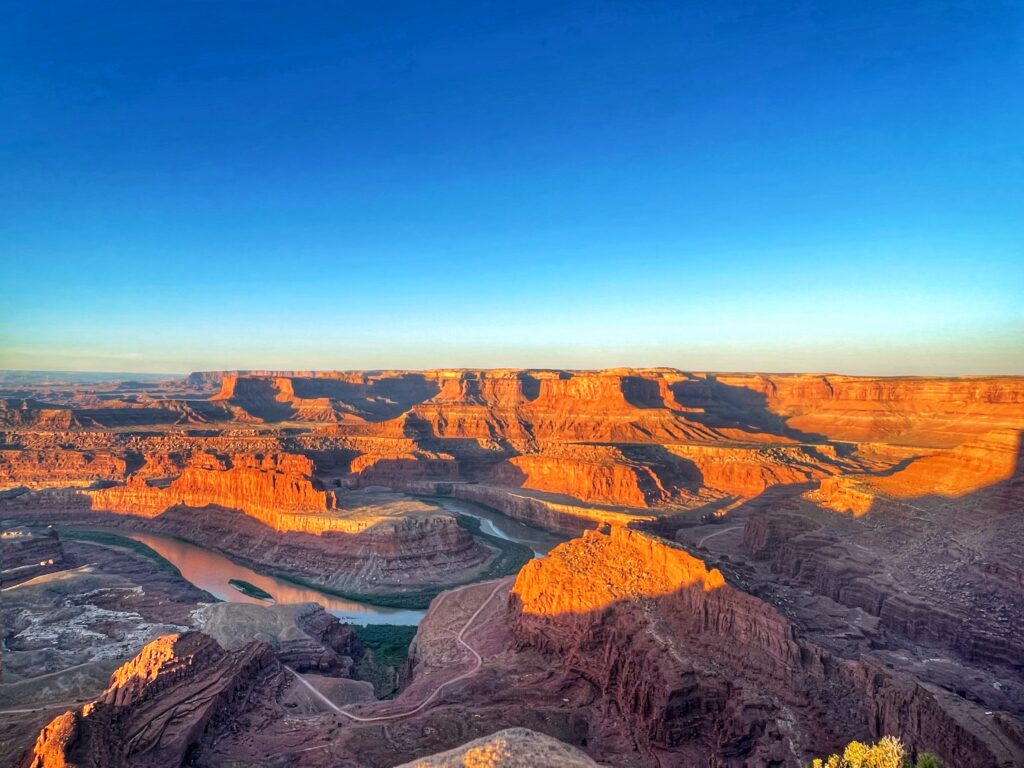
<point x="154" y="374"/>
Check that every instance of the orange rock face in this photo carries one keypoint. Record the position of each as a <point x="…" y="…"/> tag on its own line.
<point x="814" y="626"/>
<point x="52" y="744"/>
<point x="160" y="706"/>
<point x="276" y="490"/>
<point x="916" y="411"/>
<point x="695" y="668"/>
<point x="48" y="468"/>
<point x="979" y="463"/>
<point x="598" y="570"/>
<point x="548" y="441"/>
<point x="600" y="474"/>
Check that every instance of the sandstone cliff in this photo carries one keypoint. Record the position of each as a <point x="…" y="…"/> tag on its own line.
<point x="161" y="708"/>
<point x="277" y="490"/>
<point x="694" y="665"/>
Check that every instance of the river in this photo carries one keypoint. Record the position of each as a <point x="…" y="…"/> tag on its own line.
<point x="497" y="524"/>
<point x="212" y="571"/>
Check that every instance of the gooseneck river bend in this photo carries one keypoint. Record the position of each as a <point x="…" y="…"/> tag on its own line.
<point x="213" y="572"/>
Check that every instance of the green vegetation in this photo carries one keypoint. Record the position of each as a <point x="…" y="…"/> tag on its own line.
<point x="404" y="600"/>
<point x="889" y="752"/>
<point x="250" y="590"/>
<point x="387" y="648"/>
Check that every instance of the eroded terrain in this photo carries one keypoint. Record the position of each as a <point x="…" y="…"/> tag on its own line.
<point x="788" y="562"/>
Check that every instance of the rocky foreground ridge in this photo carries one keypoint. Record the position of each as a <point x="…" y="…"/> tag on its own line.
<point x="620" y="643"/>
<point x="182" y="693"/>
<point x="692" y="665"/>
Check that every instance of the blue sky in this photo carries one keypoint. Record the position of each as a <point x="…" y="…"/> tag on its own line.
<point x="729" y="186"/>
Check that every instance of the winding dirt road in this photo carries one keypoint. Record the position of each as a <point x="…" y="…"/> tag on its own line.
<point x="717" y="533"/>
<point x="477" y="662"/>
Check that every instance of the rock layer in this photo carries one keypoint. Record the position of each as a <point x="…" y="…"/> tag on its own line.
<point x="161" y="707"/>
<point x="694" y="665"/>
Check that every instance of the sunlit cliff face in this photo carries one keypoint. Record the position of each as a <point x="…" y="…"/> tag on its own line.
<point x="599" y="570"/>
<point x="987" y="462"/>
<point x="564" y="449"/>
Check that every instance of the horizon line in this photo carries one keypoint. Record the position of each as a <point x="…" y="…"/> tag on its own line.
<point x="484" y="369"/>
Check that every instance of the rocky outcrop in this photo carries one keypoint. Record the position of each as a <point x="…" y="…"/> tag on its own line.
<point x="629" y="612"/>
<point x="595" y="474"/>
<point x="922" y="411"/>
<point x="510" y="748"/>
<point x="897" y="574"/>
<point x="574" y="434"/>
<point x="303" y="635"/>
<point x="162" y="707"/>
<point x="746" y="472"/>
<point x="939" y="722"/>
<point x="979" y="463"/>
<point x="694" y="665"/>
<point x="32" y="413"/>
<point x="534" y="508"/>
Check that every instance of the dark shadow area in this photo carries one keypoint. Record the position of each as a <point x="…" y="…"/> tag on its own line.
<point x="530" y="386"/>
<point x="673" y="473"/>
<point x="942" y="575"/>
<point x="715" y="665"/>
<point x="373" y="399"/>
<point x="659" y="475"/>
<point x="258" y="397"/>
<point x="724" y="406"/>
<point x="641" y="392"/>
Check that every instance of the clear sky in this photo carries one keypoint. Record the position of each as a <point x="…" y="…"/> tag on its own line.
<point x="725" y="186"/>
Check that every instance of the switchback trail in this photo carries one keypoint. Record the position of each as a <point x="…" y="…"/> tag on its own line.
<point x="717" y="533"/>
<point x="477" y="662"/>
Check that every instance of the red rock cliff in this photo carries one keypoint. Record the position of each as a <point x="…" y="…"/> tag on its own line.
<point x="276" y="489"/>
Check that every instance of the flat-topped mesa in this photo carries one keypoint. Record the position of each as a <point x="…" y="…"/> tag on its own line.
<point x="920" y="411"/>
<point x="556" y="598"/>
<point x="30" y="413"/>
<point x="598" y="570"/>
<point x="275" y="489"/>
<point x="642" y="619"/>
<point x="746" y="471"/>
<point x="603" y="406"/>
<point x="641" y="405"/>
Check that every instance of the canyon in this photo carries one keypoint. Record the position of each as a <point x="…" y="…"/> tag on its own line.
<point x="760" y="567"/>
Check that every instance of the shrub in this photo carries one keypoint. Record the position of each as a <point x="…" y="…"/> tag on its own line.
<point x="887" y="753"/>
